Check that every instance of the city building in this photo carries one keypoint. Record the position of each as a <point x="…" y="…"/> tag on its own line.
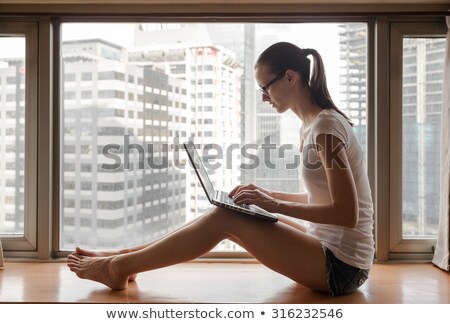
<point x="423" y="67"/>
<point x="240" y="38"/>
<point x="213" y="77"/>
<point x="118" y="188"/>
<point x="12" y="145"/>
<point x="353" y="77"/>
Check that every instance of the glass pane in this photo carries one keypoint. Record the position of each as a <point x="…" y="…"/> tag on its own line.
<point x="132" y="92"/>
<point x="423" y="66"/>
<point x="12" y="136"/>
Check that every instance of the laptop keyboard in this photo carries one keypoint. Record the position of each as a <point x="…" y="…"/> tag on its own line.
<point x="229" y="201"/>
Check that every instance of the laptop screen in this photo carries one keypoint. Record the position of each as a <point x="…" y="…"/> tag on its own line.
<point x="200" y="170"/>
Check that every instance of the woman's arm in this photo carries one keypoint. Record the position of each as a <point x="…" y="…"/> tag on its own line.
<point x="343" y="209"/>
<point x="293" y="197"/>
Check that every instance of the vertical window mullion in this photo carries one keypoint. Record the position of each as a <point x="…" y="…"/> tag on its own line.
<point x="45" y="145"/>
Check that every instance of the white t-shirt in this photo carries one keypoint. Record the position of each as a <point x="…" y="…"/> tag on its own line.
<point x="354" y="246"/>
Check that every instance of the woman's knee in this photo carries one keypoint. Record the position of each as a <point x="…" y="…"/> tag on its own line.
<point x="216" y="212"/>
<point x="212" y="216"/>
<point x="217" y="218"/>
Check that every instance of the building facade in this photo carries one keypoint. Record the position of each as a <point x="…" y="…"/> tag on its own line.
<point x="129" y="193"/>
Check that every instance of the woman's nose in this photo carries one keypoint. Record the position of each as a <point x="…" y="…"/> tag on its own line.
<point x="265" y="97"/>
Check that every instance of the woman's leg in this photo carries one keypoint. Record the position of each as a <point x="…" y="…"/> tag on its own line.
<point x="278" y="246"/>
<point x="291" y="222"/>
<point x="92" y="253"/>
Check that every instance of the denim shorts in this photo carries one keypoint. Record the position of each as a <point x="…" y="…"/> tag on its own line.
<point x="342" y="278"/>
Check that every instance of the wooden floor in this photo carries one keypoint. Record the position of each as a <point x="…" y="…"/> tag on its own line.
<point x="218" y="283"/>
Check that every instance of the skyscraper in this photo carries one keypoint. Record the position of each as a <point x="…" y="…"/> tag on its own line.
<point x="213" y="75"/>
<point x="12" y="145"/>
<point x="423" y="66"/>
<point x="353" y="77"/>
<point x="240" y="38"/>
<point x="116" y="119"/>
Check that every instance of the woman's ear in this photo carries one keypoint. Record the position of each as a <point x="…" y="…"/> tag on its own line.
<point x="291" y="77"/>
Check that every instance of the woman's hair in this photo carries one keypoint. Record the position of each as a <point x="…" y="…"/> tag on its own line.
<point x="283" y="56"/>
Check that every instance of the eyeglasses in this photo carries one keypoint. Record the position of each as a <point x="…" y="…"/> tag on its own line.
<point x="265" y="88"/>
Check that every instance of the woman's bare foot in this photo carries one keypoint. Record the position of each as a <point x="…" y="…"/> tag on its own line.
<point x="90" y="253"/>
<point x="98" y="269"/>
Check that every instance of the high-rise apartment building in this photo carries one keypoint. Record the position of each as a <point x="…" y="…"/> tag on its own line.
<point x="212" y="75"/>
<point x="240" y="38"/>
<point x="423" y="68"/>
<point x="117" y="119"/>
<point x="353" y="77"/>
<point x="12" y="145"/>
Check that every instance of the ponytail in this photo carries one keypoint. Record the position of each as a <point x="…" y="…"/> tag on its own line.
<point x="318" y="84"/>
<point x="283" y="56"/>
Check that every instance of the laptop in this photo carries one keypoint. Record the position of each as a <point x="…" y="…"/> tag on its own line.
<point x="221" y="198"/>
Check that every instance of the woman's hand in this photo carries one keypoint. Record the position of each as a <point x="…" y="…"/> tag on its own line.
<point x="254" y="195"/>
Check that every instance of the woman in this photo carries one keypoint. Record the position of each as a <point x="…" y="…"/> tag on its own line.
<point x="334" y="254"/>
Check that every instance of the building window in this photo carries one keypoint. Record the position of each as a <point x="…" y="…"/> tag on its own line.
<point x="69" y="77"/>
<point x="68" y="95"/>
<point x="86" y="76"/>
<point x="85" y="94"/>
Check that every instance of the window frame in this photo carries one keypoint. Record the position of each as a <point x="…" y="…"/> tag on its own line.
<point x="47" y="18"/>
<point x="15" y="245"/>
<point x="58" y="103"/>
<point x="399" y="247"/>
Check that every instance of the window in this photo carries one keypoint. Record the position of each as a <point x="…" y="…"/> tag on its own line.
<point x="86" y="76"/>
<point x="69" y="95"/>
<point x="374" y="53"/>
<point x="143" y="148"/>
<point x="18" y="67"/>
<point x="70" y="77"/>
<point x="421" y="137"/>
<point x="85" y="94"/>
<point x="417" y="54"/>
